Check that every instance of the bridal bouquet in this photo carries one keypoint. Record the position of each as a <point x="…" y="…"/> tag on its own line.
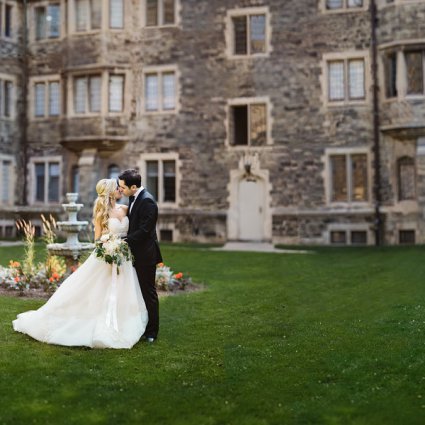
<point x="112" y="249"/>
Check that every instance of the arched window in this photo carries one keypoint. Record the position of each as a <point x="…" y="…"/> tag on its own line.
<point x="113" y="171"/>
<point x="406" y="178"/>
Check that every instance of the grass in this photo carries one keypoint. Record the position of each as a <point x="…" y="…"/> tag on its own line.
<point x="335" y="337"/>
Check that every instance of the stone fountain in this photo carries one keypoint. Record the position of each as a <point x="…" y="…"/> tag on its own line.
<point x="72" y="249"/>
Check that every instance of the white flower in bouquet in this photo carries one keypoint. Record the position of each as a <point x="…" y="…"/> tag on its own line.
<point x="113" y="250"/>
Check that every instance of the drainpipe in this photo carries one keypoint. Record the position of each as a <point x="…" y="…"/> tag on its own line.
<point x="376" y="147"/>
<point x="24" y="103"/>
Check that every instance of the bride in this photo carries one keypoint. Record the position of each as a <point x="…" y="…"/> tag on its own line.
<point x="94" y="307"/>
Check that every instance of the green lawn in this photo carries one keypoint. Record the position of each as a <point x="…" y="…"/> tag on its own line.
<point x="334" y="337"/>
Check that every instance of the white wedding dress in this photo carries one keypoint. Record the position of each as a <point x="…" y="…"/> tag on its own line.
<point x="93" y="307"/>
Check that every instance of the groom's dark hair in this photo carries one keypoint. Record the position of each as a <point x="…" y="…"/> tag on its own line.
<point x="131" y="177"/>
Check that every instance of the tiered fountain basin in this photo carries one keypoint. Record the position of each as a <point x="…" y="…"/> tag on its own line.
<point x="72" y="249"/>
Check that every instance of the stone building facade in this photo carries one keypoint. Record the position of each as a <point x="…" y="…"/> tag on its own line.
<point x="248" y="119"/>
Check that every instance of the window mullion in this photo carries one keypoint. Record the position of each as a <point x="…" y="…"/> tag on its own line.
<point x="160" y="13"/>
<point x="248" y="36"/>
<point x="349" y="178"/>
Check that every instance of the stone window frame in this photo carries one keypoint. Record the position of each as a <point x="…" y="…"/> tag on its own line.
<point x="11" y="79"/>
<point x="46" y="79"/>
<point x="161" y="157"/>
<point x="348" y="228"/>
<point x="345" y="56"/>
<point x="177" y="15"/>
<point x="161" y="69"/>
<point x="248" y="101"/>
<point x="166" y="225"/>
<point x="344" y="9"/>
<point x="12" y="176"/>
<point x="229" y="33"/>
<point x="104" y="91"/>
<point x="105" y="18"/>
<point x="328" y="177"/>
<point x="4" y="223"/>
<point x="14" y="26"/>
<point x="413" y="164"/>
<point x="33" y="24"/>
<point x="400" y="48"/>
<point x="32" y="178"/>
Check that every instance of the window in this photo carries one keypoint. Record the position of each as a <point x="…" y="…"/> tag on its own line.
<point x="6" y="98"/>
<point x="160" y="91"/>
<point x="46" y="181"/>
<point x="161" y="179"/>
<point x="248" y="32"/>
<point x="116" y="93"/>
<point x="248" y="124"/>
<point x="46" y="98"/>
<point x="406" y="179"/>
<point x="348" y="237"/>
<point x="116" y="14"/>
<point x="346" y="80"/>
<point x="166" y="235"/>
<point x="415" y="72"/>
<point x="47" y="22"/>
<point x="6" y="189"/>
<point x="87" y="94"/>
<point x="88" y="15"/>
<point x="160" y="12"/>
<point x="343" y="4"/>
<point x="390" y="66"/>
<point x="6" y="19"/>
<point x="349" y="180"/>
<point x="406" y="237"/>
<point x="113" y="171"/>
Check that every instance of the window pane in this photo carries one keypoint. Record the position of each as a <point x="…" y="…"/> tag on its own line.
<point x="168" y="90"/>
<point x="53" y="182"/>
<point x="406" y="178"/>
<point x="81" y="16"/>
<point x="40" y="99"/>
<point x="338" y="178"/>
<point x="8" y="21"/>
<point x="54" y="99"/>
<point x="258" y="123"/>
<point x="113" y="171"/>
<point x="359" y="177"/>
<point x="8" y="98"/>
<point x="53" y="17"/>
<point x="355" y="3"/>
<point x="39" y="182"/>
<point x="169" y="181"/>
<point x="116" y="93"/>
<point x="334" y="4"/>
<point x="5" y="185"/>
<point x="96" y="14"/>
<point x="336" y="80"/>
<point x="339" y="237"/>
<point x="359" y="237"/>
<point x="151" y="12"/>
<point x="414" y="73"/>
<point x="152" y="177"/>
<point x="94" y="89"/>
<point x="116" y="14"/>
<point x="40" y="23"/>
<point x="240" y="124"/>
<point x="169" y="11"/>
<point x="391" y="75"/>
<point x="151" y="92"/>
<point x="240" y="35"/>
<point x="80" y="94"/>
<point x="356" y="79"/>
<point x="258" y="33"/>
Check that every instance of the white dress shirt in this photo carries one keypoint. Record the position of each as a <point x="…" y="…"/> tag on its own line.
<point x="135" y="197"/>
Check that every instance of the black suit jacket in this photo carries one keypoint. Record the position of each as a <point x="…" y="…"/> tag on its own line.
<point x="141" y="236"/>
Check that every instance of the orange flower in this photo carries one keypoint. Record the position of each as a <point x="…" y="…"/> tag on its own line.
<point x="55" y="276"/>
<point x="17" y="279"/>
<point x="161" y="265"/>
<point x="51" y="279"/>
<point x="14" y="263"/>
<point x="178" y="275"/>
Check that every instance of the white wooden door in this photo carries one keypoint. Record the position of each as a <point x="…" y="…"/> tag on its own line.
<point x="251" y="210"/>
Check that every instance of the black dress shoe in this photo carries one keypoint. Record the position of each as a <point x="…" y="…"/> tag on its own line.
<point x="150" y="339"/>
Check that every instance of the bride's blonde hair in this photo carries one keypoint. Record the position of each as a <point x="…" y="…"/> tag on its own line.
<point x="105" y="189"/>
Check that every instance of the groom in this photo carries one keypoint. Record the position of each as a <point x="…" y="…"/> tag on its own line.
<point x="143" y="242"/>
